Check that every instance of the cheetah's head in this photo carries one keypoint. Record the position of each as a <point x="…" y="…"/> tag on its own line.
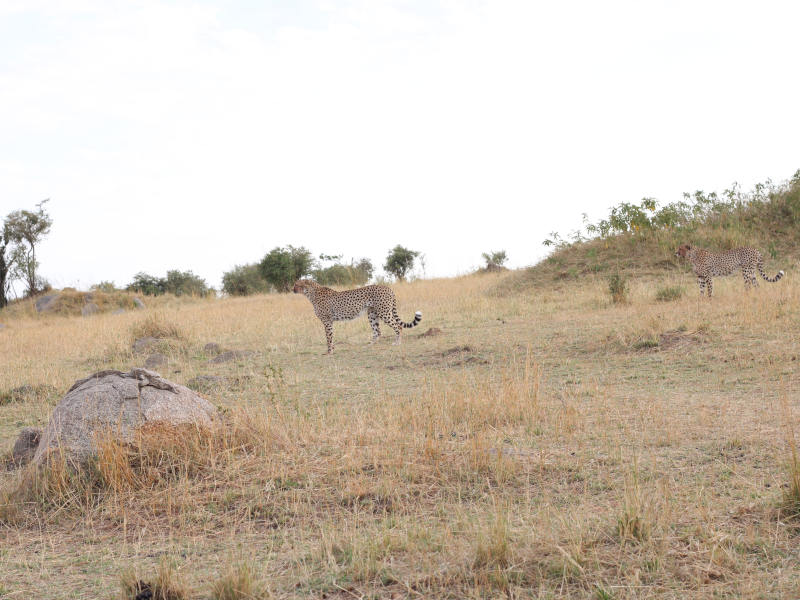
<point x="683" y="250"/>
<point x="301" y="286"/>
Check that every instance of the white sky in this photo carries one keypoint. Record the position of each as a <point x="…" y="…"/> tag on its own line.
<point x="199" y="135"/>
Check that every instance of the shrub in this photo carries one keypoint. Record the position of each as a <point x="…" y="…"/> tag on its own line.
<point x="244" y="280"/>
<point x="239" y="582"/>
<point x="618" y="288"/>
<point x="494" y="260"/>
<point x="186" y="283"/>
<point x="340" y="274"/>
<point x="669" y="293"/>
<point x="281" y="267"/>
<point x="400" y="261"/>
<point x="180" y="283"/>
<point x="146" y="284"/>
<point x="104" y="286"/>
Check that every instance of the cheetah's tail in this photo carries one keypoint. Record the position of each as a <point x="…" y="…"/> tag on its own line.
<point x="415" y="322"/>
<point x="764" y="275"/>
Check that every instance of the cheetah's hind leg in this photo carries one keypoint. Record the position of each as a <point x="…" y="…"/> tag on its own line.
<point x="374" y="323"/>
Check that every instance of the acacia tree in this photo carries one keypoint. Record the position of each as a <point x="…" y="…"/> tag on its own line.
<point x="494" y="260"/>
<point x="400" y="261"/>
<point x="26" y="229"/>
<point x="282" y="266"/>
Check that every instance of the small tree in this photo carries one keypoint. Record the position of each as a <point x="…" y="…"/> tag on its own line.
<point x="400" y="261"/>
<point x="244" y="280"/>
<point x="495" y="260"/>
<point x="283" y="266"/>
<point x="26" y="229"/>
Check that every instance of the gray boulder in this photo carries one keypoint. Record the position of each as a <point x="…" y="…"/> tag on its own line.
<point x="142" y="344"/>
<point x="155" y="360"/>
<point x="46" y="303"/>
<point x="118" y="311"/>
<point x="212" y="348"/>
<point x="118" y="404"/>
<point x="89" y="309"/>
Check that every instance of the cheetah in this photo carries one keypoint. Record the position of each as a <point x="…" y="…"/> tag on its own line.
<point x="708" y="264"/>
<point x="377" y="301"/>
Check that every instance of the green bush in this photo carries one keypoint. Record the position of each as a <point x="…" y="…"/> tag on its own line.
<point x="281" y="267"/>
<point x="179" y="283"/>
<point x="244" y="280"/>
<point x="105" y="286"/>
<point x="146" y="284"/>
<point x="353" y="274"/>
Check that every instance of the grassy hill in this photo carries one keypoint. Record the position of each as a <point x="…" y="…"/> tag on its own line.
<point x="543" y="444"/>
<point x="641" y="239"/>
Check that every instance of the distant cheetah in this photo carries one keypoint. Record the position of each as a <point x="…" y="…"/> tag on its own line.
<point x="708" y="264"/>
<point x="377" y="301"/>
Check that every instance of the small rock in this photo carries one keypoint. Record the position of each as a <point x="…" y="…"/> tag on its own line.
<point x="212" y="348"/>
<point x="119" y="311"/>
<point x="144" y="343"/>
<point x="231" y="355"/>
<point x="25" y="446"/>
<point x="138" y="303"/>
<point x="155" y="360"/>
<point x="89" y="309"/>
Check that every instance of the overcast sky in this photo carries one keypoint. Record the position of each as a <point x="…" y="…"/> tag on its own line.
<point x="199" y="135"/>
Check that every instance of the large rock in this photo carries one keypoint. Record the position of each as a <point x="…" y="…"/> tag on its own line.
<point x="89" y="309"/>
<point x="46" y="303"/>
<point x="117" y="404"/>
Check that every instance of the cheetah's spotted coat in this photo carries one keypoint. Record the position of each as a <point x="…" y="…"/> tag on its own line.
<point x="709" y="264"/>
<point x="378" y="301"/>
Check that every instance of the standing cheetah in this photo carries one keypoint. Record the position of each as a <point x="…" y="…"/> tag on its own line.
<point x="377" y="301"/>
<point x="708" y="264"/>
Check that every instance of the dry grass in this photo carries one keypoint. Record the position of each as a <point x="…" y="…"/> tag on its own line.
<point x="535" y="448"/>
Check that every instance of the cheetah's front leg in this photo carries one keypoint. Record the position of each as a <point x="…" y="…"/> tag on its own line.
<point x="329" y="335"/>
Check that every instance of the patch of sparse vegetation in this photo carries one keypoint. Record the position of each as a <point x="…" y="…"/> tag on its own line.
<point x="240" y="581"/>
<point x="618" y="288"/>
<point x="166" y="585"/>
<point x="670" y="293"/>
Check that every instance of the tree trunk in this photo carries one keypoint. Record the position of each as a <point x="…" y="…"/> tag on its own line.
<point x="3" y="275"/>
